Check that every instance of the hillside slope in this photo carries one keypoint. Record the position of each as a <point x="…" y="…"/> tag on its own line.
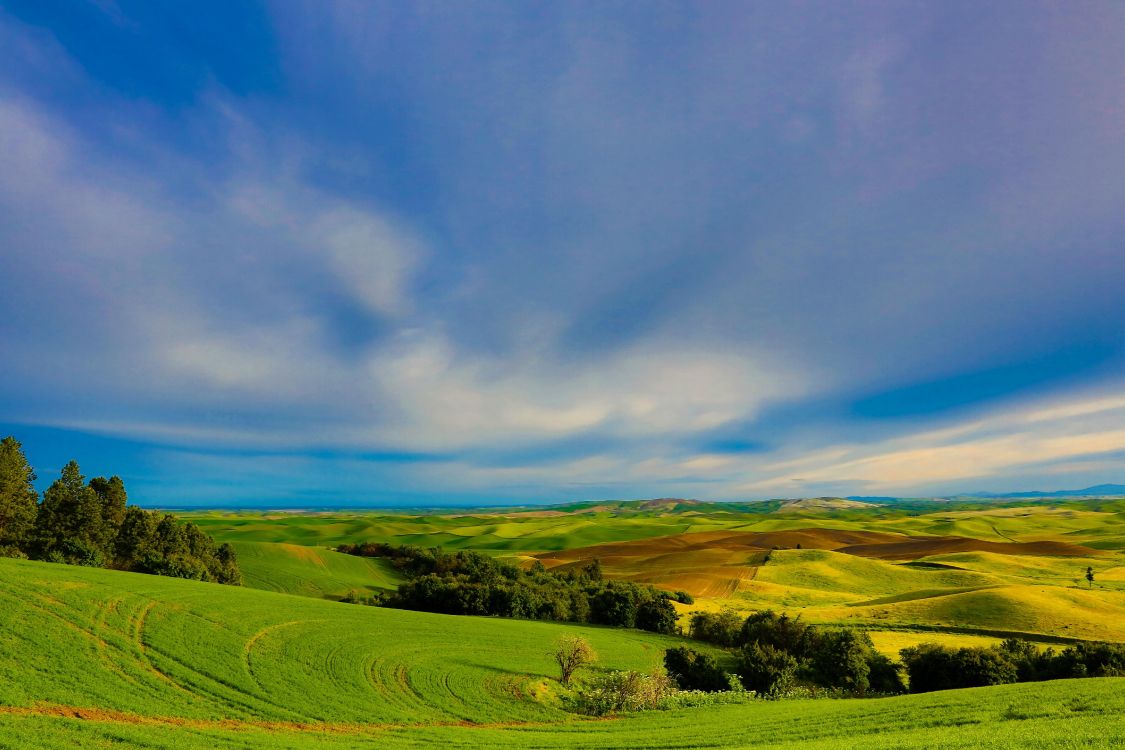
<point x="96" y="658"/>
<point x="311" y="571"/>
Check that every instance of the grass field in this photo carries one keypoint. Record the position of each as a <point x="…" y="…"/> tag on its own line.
<point x="96" y="658"/>
<point x="311" y="571"/>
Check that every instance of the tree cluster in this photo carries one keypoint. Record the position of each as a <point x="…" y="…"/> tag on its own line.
<point x="470" y="583"/>
<point x="933" y="667"/>
<point x="91" y="523"/>
<point x="777" y="652"/>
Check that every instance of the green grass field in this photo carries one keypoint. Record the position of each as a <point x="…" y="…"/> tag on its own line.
<point x="311" y="571"/>
<point x="96" y="658"/>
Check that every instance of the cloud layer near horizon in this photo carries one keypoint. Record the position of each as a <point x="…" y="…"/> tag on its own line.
<point x="363" y="253"/>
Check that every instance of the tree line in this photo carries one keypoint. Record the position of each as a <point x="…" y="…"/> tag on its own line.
<point x="773" y="654"/>
<point x="471" y="583"/>
<point x="776" y="653"/>
<point x="91" y="523"/>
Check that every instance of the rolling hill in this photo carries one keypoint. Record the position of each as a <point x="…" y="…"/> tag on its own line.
<point x="97" y="658"/>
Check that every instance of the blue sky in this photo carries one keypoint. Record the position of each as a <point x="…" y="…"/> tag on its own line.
<point x="376" y="253"/>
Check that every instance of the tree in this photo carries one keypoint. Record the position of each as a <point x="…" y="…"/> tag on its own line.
<point x="572" y="652"/>
<point x="68" y="526"/>
<point x="840" y="658"/>
<point x="1090" y="576"/>
<point x="657" y="615"/>
<point x="694" y="671"/>
<point x="722" y="628"/>
<point x="766" y="670"/>
<point x="111" y="494"/>
<point x="136" y="538"/>
<point x="18" y="498"/>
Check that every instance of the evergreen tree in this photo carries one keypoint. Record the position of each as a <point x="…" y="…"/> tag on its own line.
<point x="69" y="526"/>
<point x="136" y="538"/>
<point x="111" y="495"/>
<point x="18" y="498"/>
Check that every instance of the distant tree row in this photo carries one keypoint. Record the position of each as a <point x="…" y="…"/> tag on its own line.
<point x="776" y="653"/>
<point x="91" y="523"/>
<point x="933" y="667"/>
<point x="470" y="583"/>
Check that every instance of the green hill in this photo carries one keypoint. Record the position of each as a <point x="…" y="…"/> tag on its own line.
<point x="97" y="658"/>
<point x="311" y="571"/>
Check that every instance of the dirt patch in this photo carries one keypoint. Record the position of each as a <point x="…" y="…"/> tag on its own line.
<point x="111" y="716"/>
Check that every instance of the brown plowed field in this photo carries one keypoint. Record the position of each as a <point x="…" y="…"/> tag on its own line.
<point x="714" y="563"/>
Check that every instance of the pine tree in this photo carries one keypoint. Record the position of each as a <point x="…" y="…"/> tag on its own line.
<point x="18" y="498"/>
<point x="136" y="538"/>
<point x="111" y="495"/>
<point x="69" y="524"/>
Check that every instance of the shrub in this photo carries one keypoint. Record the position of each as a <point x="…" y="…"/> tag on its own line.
<point x="837" y="658"/>
<point x="625" y="691"/>
<point x="766" y="670"/>
<point x="722" y="628"/>
<point x="695" y="671"/>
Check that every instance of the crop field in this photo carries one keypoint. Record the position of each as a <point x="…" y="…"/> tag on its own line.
<point x="965" y="570"/>
<point x="311" y="571"/>
<point x="96" y="658"/>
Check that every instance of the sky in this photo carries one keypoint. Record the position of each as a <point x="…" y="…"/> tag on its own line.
<point x="372" y="253"/>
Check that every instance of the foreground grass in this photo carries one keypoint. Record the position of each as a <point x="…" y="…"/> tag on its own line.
<point x="1071" y="714"/>
<point x="96" y="658"/>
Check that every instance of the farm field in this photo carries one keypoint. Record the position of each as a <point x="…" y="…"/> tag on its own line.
<point x="972" y="572"/>
<point x="311" y="571"/>
<point x="99" y="658"/>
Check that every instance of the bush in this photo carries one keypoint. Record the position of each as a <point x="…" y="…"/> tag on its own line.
<point x="695" y="671"/>
<point x="722" y="628"/>
<point x="781" y="632"/>
<point x="838" y="658"/>
<point x="657" y="616"/>
<point x="884" y="675"/>
<point x="624" y="691"/>
<point x="766" y="670"/>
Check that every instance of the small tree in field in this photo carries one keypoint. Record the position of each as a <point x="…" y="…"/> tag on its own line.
<point x="572" y="652"/>
<point x="1090" y="576"/>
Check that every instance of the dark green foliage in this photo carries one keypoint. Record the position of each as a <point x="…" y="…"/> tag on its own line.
<point x="782" y="632"/>
<point x="1090" y="660"/>
<point x="722" y="628"/>
<point x="69" y="522"/>
<point x="843" y="660"/>
<point x="18" y="498"/>
<point x="932" y="667"/>
<point x="92" y="524"/>
<point x="469" y="583"/>
<point x="136" y="538"/>
<point x="657" y="616"/>
<point x="111" y="495"/>
<point x="683" y="597"/>
<point x="766" y="670"/>
<point x="694" y="671"/>
<point x="885" y="676"/>
<point x="839" y="659"/>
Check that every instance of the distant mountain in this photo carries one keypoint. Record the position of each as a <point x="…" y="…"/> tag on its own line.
<point x="1098" y="490"/>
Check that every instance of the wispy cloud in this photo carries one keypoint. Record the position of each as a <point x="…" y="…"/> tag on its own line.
<point x="731" y="250"/>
